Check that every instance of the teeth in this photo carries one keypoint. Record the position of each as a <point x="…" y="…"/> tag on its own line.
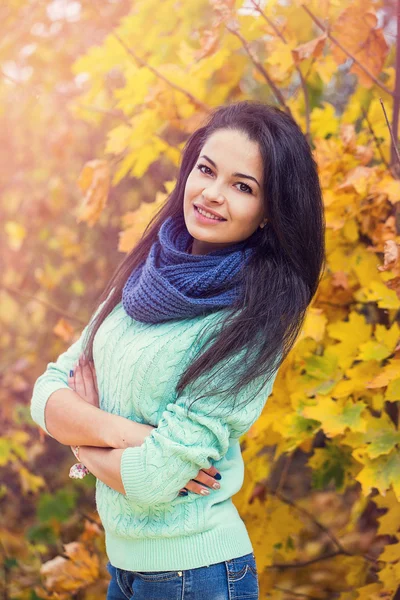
<point x="207" y="214"/>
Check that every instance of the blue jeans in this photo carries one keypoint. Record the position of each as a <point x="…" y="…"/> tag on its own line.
<point x="233" y="579"/>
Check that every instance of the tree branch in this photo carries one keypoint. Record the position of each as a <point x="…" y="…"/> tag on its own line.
<point x="343" y="49"/>
<point x="157" y="73"/>
<point x="394" y="144"/>
<point x="277" y="93"/>
<point x="50" y="305"/>
<point x="311" y="517"/>
<point x="301" y="76"/>
<point x="396" y="103"/>
<point x="377" y="142"/>
<point x="305" y="563"/>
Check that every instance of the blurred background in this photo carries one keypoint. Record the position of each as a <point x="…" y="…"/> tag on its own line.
<point x="96" y="102"/>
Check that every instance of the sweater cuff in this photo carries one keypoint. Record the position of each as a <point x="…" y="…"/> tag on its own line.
<point x="39" y="401"/>
<point x="135" y="478"/>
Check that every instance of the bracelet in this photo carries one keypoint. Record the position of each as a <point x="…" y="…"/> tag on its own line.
<point x="78" y="470"/>
<point x="75" y="450"/>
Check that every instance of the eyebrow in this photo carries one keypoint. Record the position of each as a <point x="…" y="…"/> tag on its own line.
<point x="234" y="174"/>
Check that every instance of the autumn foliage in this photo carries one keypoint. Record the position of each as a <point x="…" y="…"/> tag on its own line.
<point x="96" y="106"/>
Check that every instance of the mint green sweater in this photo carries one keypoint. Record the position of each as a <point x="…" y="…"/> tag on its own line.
<point x="150" y="527"/>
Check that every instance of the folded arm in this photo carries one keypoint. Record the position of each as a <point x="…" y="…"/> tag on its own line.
<point x="69" y="419"/>
<point x="105" y="464"/>
<point x="72" y="421"/>
<point x="183" y="443"/>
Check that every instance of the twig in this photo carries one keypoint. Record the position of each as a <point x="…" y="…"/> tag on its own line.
<point x="396" y="101"/>
<point x="298" y="594"/>
<point x="111" y="113"/>
<point x="390" y="130"/>
<point x="44" y="302"/>
<point x="278" y="94"/>
<point x="311" y="517"/>
<point x="343" y="49"/>
<point x="301" y="76"/>
<point x="305" y="563"/>
<point x="157" y="73"/>
<point x="283" y="475"/>
<point x="377" y="142"/>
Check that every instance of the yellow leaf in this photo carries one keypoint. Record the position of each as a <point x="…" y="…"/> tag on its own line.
<point x="269" y="540"/>
<point x="136" y="222"/>
<point x="326" y="67"/>
<point x="94" y="180"/>
<point x="393" y="391"/>
<point x="380" y="473"/>
<point x="324" y="121"/>
<point x="378" y="292"/>
<point x="373" y="591"/>
<point x="390" y="577"/>
<point x="358" y="179"/>
<point x="16" y="234"/>
<point x="72" y="574"/>
<point x="314" y="325"/>
<point x="379" y="438"/>
<point x="118" y="139"/>
<point x="29" y="481"/>
<point x="389" y="523"/>
<point x="336" y="417"/>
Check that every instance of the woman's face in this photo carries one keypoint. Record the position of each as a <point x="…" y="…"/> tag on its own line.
<point x="226" y="180"/>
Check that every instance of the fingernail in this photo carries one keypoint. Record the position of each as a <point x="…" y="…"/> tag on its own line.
<point x="205" y="492"/>
<point x="183" y="493"/>
<point x="217" y="476"/>
<point x="71" y="373"/>
<point x="216" y="486"/>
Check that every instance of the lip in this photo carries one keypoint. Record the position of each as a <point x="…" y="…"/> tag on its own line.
<point x="198" y="205"/>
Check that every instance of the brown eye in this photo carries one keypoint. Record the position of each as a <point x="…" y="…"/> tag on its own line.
<point x="200" y="167"/>
<point x="248" y="188"/>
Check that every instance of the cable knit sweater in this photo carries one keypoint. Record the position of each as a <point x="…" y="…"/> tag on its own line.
<point x="150" y="527"/>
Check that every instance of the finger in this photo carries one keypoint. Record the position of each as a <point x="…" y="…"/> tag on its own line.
<point x="79" y="383"/>
<point x="197" y="488"/>
<point x="71" y="381"/>
<point x="80" y="361"/>
<point x="91" y="367"/>
<point x="213" y="472"/>
<point x="91" y="388"/>
<point x="207" y="480"/>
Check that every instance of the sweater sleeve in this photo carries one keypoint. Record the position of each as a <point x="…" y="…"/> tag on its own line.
<point x="183" y="443"/>
<point x="55" y="377"/>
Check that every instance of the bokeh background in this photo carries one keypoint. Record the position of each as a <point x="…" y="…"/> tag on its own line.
<point x="96" y="102"/>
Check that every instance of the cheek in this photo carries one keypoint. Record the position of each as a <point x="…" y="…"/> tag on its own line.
<point x="246" y="212"/>
<point x="193" y="188"/>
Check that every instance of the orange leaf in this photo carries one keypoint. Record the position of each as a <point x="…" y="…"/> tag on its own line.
<point x="312" y="48"/>
<point x="94" y="181"/>
<point x="64" y="330"/>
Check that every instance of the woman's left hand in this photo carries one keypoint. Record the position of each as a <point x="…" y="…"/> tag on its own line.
<point x="83" y="381"/>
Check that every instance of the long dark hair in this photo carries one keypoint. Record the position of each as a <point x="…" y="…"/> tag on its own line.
<point x="283" y="274"/>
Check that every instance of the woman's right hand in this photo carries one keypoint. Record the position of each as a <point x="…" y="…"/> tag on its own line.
<point x="204" y="480"/>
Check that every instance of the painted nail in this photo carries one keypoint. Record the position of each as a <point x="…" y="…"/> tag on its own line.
<point x="183" y="493"/>
<point x="71" y="373"/>
<point x="205" y="492"/>
<point x="217" y="476"/>
<point x="216" y="486"/>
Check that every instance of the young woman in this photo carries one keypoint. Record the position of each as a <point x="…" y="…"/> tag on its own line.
<point x="182" y="353"/>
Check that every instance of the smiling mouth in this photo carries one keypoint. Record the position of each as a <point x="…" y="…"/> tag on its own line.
<point x="206" y="215"/>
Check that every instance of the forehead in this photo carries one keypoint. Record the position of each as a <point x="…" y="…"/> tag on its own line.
<point x="234" y="151"/>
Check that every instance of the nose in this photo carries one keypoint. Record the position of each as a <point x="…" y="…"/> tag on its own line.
<point x="213" y="193"/>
